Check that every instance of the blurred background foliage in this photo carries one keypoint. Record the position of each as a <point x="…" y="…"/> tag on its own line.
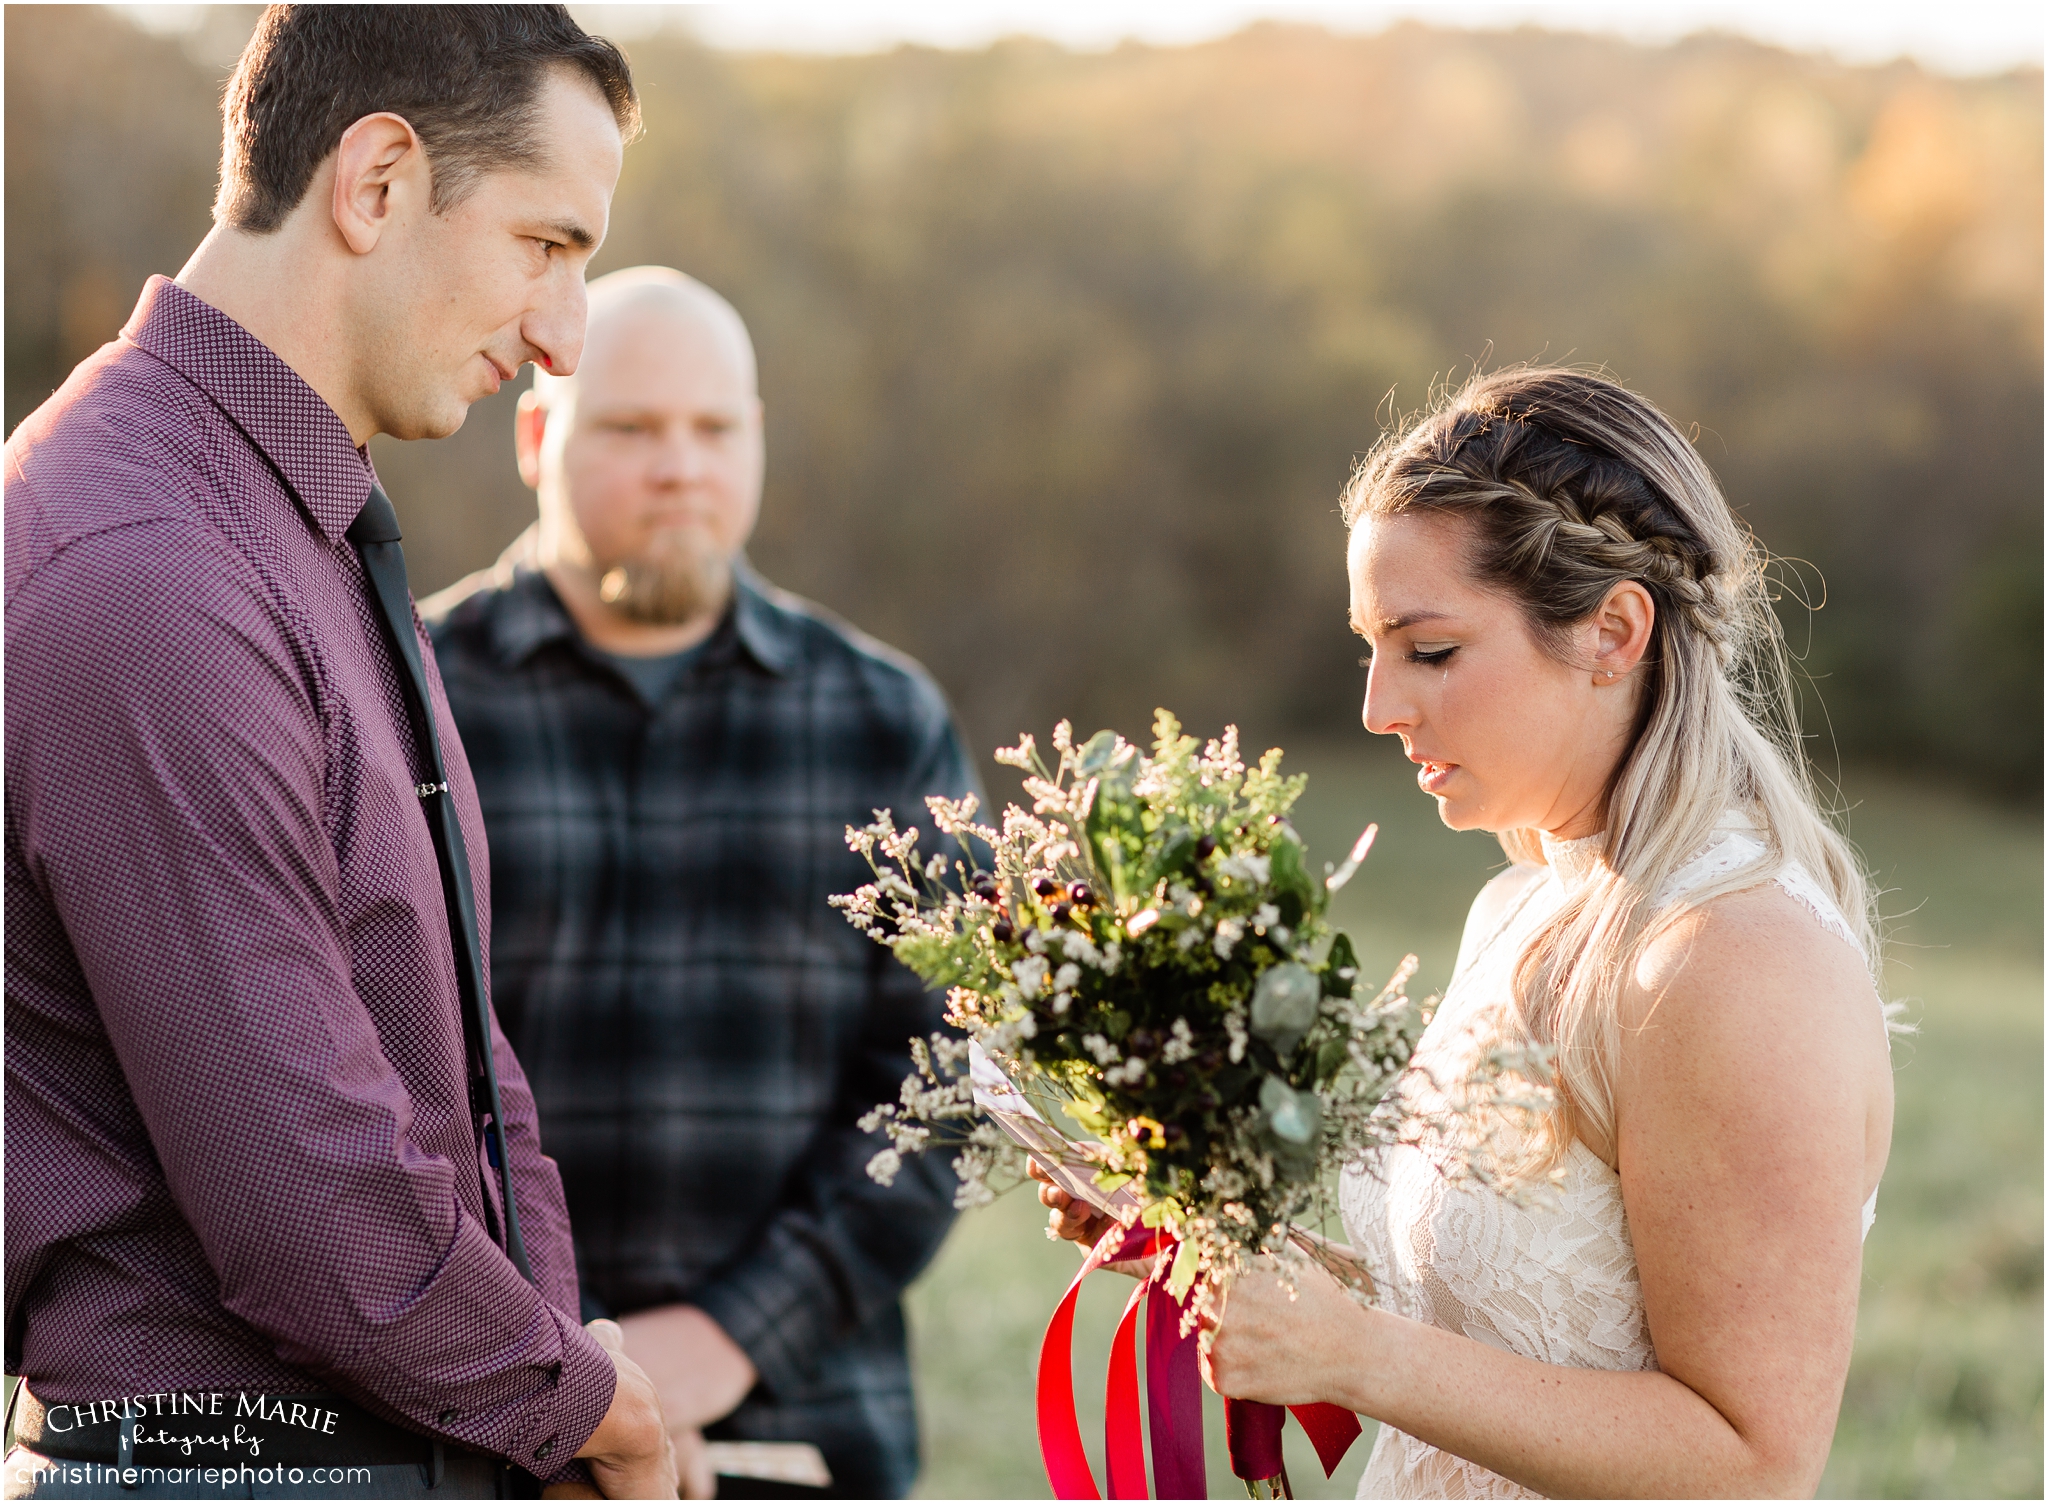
<point x="1067" y="355"/>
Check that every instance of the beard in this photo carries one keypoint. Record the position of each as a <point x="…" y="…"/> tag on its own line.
<point x="677" y="578"/>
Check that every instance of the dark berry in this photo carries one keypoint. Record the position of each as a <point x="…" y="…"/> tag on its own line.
<point x="1208" y="1101"/>
<point x="1061" y="912"/>
<point x="1141" y="1042"/>
<point x="1174" y="1134"/>
<point x="1004" y="931"/>
<point x="1044" y="887"/>
<point x="1176" y="1079"/>
<point x="1081" y="895"/>
<point x="983" y="886"/>
<point x="1205" y="848"/>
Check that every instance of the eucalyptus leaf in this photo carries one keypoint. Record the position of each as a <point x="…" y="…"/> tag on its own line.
<point x="1294" y="1116"/>
<point x="1284" y="1006"/>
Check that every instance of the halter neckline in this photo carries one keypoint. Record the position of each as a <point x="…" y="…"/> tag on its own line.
<point x="1576" y="859"/>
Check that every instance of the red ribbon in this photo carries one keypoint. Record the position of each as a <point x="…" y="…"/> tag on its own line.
<point x="1172" y="1392"/>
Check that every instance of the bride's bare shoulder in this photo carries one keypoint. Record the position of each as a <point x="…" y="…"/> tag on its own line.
<point x="1755" y="957"/>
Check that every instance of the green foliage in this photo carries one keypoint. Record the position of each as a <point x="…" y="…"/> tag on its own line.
<point x="1167" y="980"/>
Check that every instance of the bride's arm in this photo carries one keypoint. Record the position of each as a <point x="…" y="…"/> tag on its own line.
<point x="1754" y="1103"/>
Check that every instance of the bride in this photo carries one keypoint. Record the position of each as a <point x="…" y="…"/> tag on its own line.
<point x="1570" y="635"/>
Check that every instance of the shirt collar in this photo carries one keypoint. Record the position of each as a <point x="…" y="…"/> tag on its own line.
<point x="265" y="398"/>
<point x="529" y="614"/>
<point x="766" y="629"/>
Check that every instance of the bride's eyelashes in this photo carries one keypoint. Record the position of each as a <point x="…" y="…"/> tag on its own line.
<point x="1416" y="655"/>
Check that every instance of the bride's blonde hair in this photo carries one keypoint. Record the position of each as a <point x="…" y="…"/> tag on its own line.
<point x="1571" y="484"/>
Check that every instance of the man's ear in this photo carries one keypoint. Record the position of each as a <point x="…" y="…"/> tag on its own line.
<point x="380" y="167"/>
<point x="529" y="425"/>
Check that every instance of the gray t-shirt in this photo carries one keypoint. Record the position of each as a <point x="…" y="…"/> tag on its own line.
<point x="651" y="676"/>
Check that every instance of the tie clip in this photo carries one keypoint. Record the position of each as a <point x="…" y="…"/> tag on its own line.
<point x="426" y="790"/>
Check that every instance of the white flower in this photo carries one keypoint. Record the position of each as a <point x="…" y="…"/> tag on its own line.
<point x="1266" y="915"/>
<point x="1228" y="933"/>
<point x="909" y="1138"/>
<point x="1233" y="1022"/>
<point x="1029" y="974"/>
<point x="1065" y="978"/>
<point x="1248" y="867"/>
<point x="1104" y="1052"/>
<point x="1181" y="1046"/>
<point x="1130" y="1073"/>
<point x="952" y="818"/>
<point x="972" y="1166"/>
<point x="883" y="1167"/>
<point x="1188" y="938"/>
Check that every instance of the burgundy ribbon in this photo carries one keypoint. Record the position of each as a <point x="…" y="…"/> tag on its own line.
<point x="1173" y="1397"/>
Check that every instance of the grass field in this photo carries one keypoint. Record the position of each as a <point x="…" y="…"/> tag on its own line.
<point x="1944" y="1394"/>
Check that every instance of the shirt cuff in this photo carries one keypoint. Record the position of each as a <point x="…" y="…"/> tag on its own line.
<point x="553" y="1431"/>
<point x="779" y="1307"/>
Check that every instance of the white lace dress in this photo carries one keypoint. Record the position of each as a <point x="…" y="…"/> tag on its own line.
<point x="1553" y="1278"/>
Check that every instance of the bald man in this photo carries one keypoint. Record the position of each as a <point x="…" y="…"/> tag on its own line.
<point x="668" y="752"/>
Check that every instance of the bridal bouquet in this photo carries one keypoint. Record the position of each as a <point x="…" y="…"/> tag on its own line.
<point x="1145" y="951"/>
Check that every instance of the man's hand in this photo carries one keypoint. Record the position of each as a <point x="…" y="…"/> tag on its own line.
<point x="629" y="1453"/>
<point x="700" y="1374"/>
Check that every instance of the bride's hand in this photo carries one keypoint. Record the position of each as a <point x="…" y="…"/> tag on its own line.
<point x="1078" y="1222"/>
<point x="1075" y="1221"/>
<point x="1268" y="1346"/>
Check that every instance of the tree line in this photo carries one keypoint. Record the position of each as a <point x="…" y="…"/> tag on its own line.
<point x="1066" y="356"/>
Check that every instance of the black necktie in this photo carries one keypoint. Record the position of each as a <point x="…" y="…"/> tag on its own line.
<point x="375" y="535"/>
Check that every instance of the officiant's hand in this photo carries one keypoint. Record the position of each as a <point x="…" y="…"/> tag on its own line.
<point x="701" y="1375"/>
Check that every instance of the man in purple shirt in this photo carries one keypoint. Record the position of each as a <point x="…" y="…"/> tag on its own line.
<point x="255" y="1237"/>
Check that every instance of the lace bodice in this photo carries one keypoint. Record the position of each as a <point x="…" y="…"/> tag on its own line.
<point x="1550" y="1276"/>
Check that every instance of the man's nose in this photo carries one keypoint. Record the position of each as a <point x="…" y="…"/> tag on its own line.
<point x="554" y="329"/>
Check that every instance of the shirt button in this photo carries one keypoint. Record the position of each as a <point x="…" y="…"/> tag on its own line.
<point x="449" y="1417"/>
<point x="540" y="1453"/>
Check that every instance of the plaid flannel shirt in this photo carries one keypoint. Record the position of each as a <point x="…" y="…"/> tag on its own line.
<point x="700" y="1028"/>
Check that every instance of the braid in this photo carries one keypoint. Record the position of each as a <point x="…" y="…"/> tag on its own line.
<point x="1569" y="515"/>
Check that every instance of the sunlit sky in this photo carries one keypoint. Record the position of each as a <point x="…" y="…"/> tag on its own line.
<point x="1953" y="36"/>
<point x="1961" y="36"/>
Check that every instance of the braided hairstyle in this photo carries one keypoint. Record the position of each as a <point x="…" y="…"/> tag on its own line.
<point x="1569" y="485"/>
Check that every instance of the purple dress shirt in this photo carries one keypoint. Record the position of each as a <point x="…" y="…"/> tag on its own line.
<point x="239" y="1149"/>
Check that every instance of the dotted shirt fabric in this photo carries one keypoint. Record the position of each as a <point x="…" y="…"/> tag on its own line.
<point x="240" y="1150"/>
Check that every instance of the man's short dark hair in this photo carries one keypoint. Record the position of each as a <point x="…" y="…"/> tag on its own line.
<point x="466" y="77"/>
